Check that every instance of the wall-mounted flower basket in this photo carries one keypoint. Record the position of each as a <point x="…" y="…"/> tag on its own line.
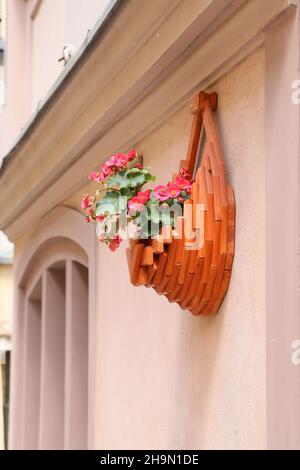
<point x="184" y="230"/>
<point x="194" y="270"/>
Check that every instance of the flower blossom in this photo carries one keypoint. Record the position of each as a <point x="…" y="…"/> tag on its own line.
<point x="182" y="183"/>
<point x="135" y="205"/>
<point x="173" y="190"/>
<point x="86" y="201"/>
<point x="161" y="192"/>
<point x="144" y="196"/>
<point x="95" y="176"/>
<point x="185" y="173"/>
<point x="114" y="243"/>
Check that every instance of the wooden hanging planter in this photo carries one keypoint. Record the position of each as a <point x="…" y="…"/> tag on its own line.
<point x="197" y="279"/>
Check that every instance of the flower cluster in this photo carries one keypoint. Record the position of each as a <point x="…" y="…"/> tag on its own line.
<point x="121" y="199"/>
<point x="117" y="162"/>
<point x="179" y="189"/>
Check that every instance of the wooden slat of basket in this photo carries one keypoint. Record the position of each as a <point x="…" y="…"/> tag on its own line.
<point x="162" y="287"/>
<point x="160" y="269"/>
<point x="147" y="258"/>
<point x="136" y="260"/>
<point x="217" y="285"/>
<point x="173" y="296"/>
<point x="171" y="258"/>
<point x="142" y="277"/>
<point x="224" y="287"/>
<point x="157" y="244"/>
<point x="170" y="288"/>
<point x="209" y="218"/>
<point x="194" y="285"/>
<point x="167" y="234"/>
<point x="185" y="288"/>
<point x="194" y="140"/>
<point x="151" y="271"/>
<point x="184" y="268"/>
<point x="208" y="250"/>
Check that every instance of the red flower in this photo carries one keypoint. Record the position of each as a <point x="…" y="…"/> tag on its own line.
<point x="101" y="217"/>
<point x="182" y="183"/>
<point x="86" y="201"/>
<point x="185" y="173"/>
<point x="144" y="196"/>
<point x="132" y="154"/>
<point x="135" y="205"/>
<point x="115" y="243"/>
<point x="139" y="166"/>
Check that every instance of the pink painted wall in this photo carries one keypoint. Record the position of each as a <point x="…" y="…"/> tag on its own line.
<point x="160" y="378"/>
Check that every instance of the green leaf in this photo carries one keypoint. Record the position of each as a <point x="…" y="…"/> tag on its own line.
<point x="126" y="192"/>
<point x="149" y="177"/>
<point x="109" y="203"/>
<point x="128" y="179"/>
<point x="119" y="179"/>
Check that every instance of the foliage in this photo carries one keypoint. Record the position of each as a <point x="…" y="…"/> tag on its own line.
<point x="121" y="199"/>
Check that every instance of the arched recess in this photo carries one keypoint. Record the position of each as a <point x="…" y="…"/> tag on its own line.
<point x="54" y="323"/>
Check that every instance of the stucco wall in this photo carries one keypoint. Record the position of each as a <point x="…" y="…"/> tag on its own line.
<point x="164" y="378"/>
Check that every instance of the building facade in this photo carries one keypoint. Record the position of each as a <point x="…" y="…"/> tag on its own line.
<point x="96" y="362"/>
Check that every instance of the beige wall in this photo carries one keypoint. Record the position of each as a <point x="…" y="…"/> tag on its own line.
<point x="164" y="378"/>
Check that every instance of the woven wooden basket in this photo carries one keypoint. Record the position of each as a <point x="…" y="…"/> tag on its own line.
<point x="197" y="279"/>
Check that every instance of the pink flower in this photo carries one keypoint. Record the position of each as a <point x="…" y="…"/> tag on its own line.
<point x="185" y="173"/>
<point x="144" y="196"/>
<point x="161" y="192"/>
<point x="107" y="170"/>
<point x="95" y="176"/>
<point x="115" y="243"/>
<point x="182" y="183"/>
<point x="139" y="166"/>
<point x="135" y="205"/>
<point x="86" y="201"/>
<point x="173" y="190"/>
<point x="119" y="160"/>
